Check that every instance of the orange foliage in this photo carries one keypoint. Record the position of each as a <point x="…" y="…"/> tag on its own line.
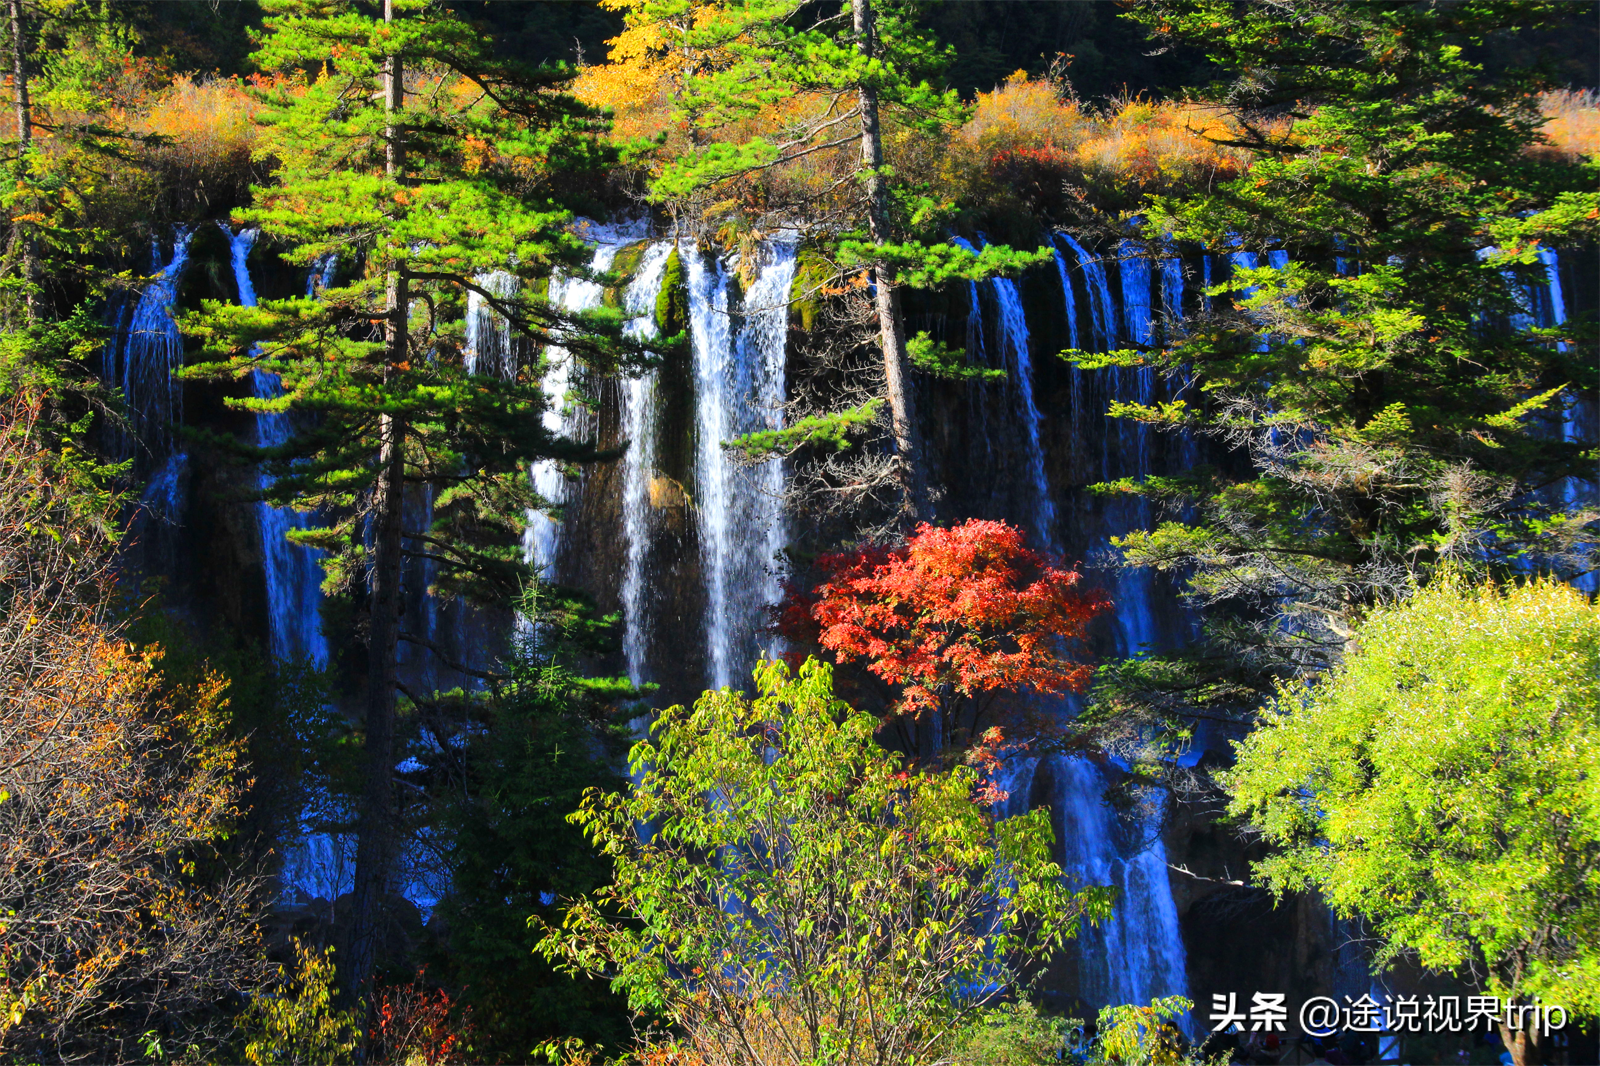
<point x="209" y="124"/>
<point x="1024" y="140"/>
<point x="1572" y="122"/>
<point x="114" y="787"/>
<point x="644" y="68"/>
<point x="952" y="613"/>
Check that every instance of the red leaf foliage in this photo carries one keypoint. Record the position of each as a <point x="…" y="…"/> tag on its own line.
<point x="415" y="1024"/>
<point x="957" y="611"/>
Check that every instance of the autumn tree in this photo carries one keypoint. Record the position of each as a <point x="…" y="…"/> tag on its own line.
<point x="113" y="789"/>
<point x="785" y="893"/>
<point x="953" y="621"/>
<point x="410" y="151"/>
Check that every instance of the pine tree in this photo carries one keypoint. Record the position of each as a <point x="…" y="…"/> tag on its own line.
<point x="411" y="153"/>
<point x="1397" y="407"/>
<point x="816" y="87"/>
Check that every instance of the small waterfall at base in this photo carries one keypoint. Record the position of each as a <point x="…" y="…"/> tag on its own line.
<point x="141" y="359"/>
<point x="541" y="538"/>
<point x="739" y="387"/>
<point x="638" y="463"/>
<point x="293" y="574"/>
<point x="1138" y="955"/>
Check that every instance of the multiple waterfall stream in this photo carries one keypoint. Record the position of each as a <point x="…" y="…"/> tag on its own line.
<point x="739" y="327"/>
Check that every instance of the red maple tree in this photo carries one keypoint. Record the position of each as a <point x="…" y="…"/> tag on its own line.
<point x="950" y="620"/>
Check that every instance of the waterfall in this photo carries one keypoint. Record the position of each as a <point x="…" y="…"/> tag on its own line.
<point x="150" y="349"/>
<point x="638" y="463"/>
<point x="978" y="355"/>
<point x="1066" y="295"/>
<point x="1578" y="414"/>
<point x="1172" y="287"/>
<point x="164" y="498"/>
<point x="491" y="343"/>
<point x="1135" y="271"/>
<point x="1102" y="309"/>
<point x="1138" y="954"/>
<point x="739" y="389"/>
<point x="542" y="536"/>
<point x="315" y="865"/>
<point x="1013" y="331"/>
<point x="293" y="573"/>
<point x="1242" y="260"/>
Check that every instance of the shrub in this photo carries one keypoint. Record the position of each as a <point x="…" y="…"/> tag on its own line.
<point x="785" y="893"/>
<point x="415" y="1025"/>
<point x="297" y="1024"/>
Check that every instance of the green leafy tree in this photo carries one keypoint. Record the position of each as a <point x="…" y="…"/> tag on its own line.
<point x="1441" y="784"/>
<point x="409" y="150"/>
<point x="788" y="127"/>
<point x="784" y="892"/>
<point x="1396" y="408"/>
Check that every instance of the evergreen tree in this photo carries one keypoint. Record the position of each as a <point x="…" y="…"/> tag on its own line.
<point x="1396" y="406"/>
<point x="817" y="90"/>
<point x="533" y="748"/>
<point x="420" y="160"/>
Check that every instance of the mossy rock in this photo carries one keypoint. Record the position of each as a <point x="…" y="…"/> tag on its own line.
<point x="672" y="302"/>
<point x="538" y="288"/>
<point x="623" y="268"/>
<point x="805" y="303"/>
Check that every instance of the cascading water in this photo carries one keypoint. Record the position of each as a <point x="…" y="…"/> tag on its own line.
<point x="315" y="865"/>
<point x="1071" y="303"/>
<point x="1013" y="330"/>
<point x="739" y="384"/>
<point x="141" y="359"/>
<point x="491" y="343"/>
<point x="1579" y="414"/>
<point x="542" y="536"/>
<point x="293" y="573"/>
<point x="1102" y="309"/>
<point x="1139" y="954"/>
<point x="638" y="463"/>
<point x="1135" y="277"/>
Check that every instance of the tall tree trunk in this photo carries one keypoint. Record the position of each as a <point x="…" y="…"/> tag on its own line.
<point x="891" y="319"/>
<point x="376" y="844"/>
<point x="24" y="120"/>
<point x="1524" y="1041"/>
